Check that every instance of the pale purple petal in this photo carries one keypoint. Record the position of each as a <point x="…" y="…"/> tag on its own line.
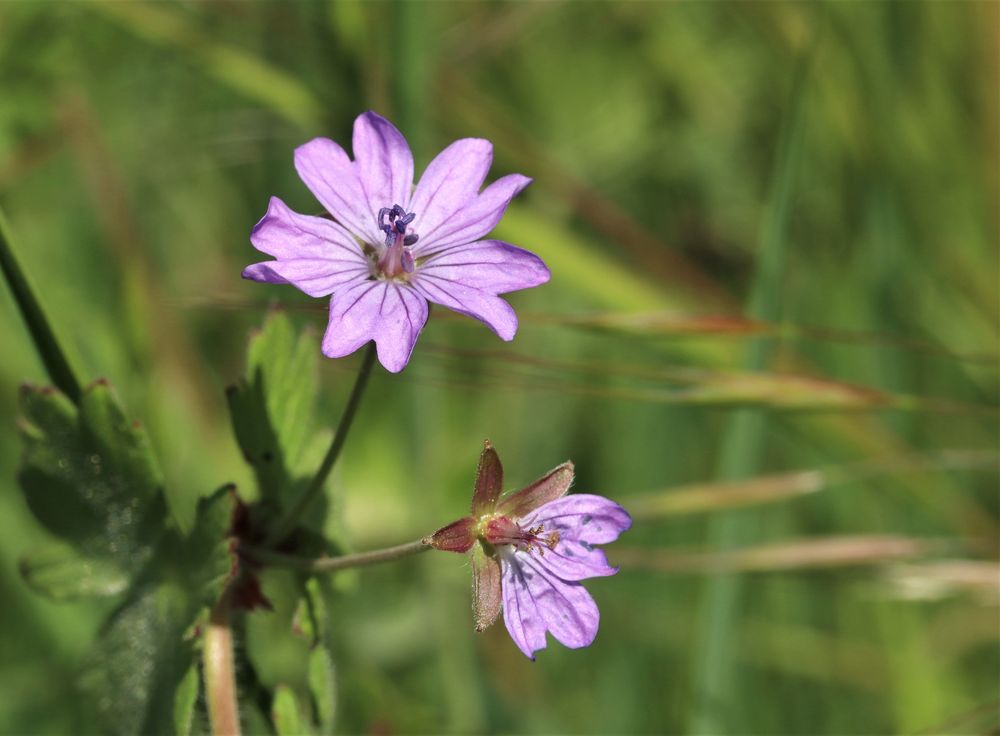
<point x="581" y="517"/>
<point x="568" y="610"/>
<point x="333" y="179"/>
<point x="313" y="254"/>
<point x="491" y="265"/>
<point x="315" y="277"/>
<point x="565" y="609"/>
<point x="475" y="219"/>
<point x="283" y="233"/>
<point x="450" y="181"/>
<point x="390" y="314"/>
<point x="575" y="559"/>
<point x="498" y="315"/>
<point x="520" y="614"/>
<point x="384" y="161"/>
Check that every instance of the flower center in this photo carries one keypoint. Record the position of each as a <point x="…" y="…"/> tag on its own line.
<point x="502" y="530"/>
<point x="397" y="259"/>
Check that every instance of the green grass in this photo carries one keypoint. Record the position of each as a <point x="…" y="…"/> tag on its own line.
<point x="817" y="167"/>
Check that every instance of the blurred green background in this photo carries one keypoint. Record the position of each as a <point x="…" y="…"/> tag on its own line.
<point x="828" y="169"/>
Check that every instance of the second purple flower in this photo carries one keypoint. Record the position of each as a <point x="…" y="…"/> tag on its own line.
<point x="393" y="248"/>
<point x="529" y="552"/>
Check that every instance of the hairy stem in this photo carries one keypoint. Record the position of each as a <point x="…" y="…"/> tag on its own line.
<point x="285" y="526"/>
<point x="49" y="350"/>
<point x="331" y="564"/>
<point x="219" y="671"/>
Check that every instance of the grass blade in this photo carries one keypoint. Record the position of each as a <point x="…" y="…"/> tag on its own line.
<point x="710" y="497"/>
<point x="242" y="72"/>
<point x="743" y="442"/>
<point x="808" y="554"/>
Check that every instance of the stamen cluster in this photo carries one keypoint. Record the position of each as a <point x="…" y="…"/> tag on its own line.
<point x="398" y="219"/>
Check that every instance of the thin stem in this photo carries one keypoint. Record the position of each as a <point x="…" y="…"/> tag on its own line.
<point x="331" y="564"/>
<point x="284" y="527"/>
<point x="49" y="350"/>
<point x="220" y="672"/>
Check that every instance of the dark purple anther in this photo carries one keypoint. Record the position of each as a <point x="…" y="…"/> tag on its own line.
<point x="393" y="222"/>
<point x="382" y="214"/>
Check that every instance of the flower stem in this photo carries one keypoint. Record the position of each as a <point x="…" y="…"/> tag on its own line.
<point x="285" y="526"/>
<point x="49" y="350"/>
<point x="220" y="672"/>
<point x="332" y="564"/>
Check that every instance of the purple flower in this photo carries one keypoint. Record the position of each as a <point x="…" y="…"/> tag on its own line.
<point x="530" y="550"/>
<point x="392" y="247"/>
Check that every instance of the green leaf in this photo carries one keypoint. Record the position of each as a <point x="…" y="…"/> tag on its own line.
<point x="184" y="701"/>
<point x="323" y="688"/>
<point x="288" y="648"/>
<point x="139" y="671"/>
<point x="274" y="642"/>
<point x="285" y="712"/>
<point x="89" y="475"/>
<point x="60" y="573"/>
<point x="310" y="618"/>
<point x="207" y="559"/>
<point x="139" y="662"/>
<point x="271" y="407"/>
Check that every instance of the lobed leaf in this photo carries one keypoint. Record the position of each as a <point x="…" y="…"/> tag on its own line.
<point x="140" y="662"/>
<point x="60" y="573"/>
<point x="289" y="649"/>
<point x="207" y="561"/>
<point x="271" y="407"/>
<point x="139" y="671"/>
<point x="89" y="475"/>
